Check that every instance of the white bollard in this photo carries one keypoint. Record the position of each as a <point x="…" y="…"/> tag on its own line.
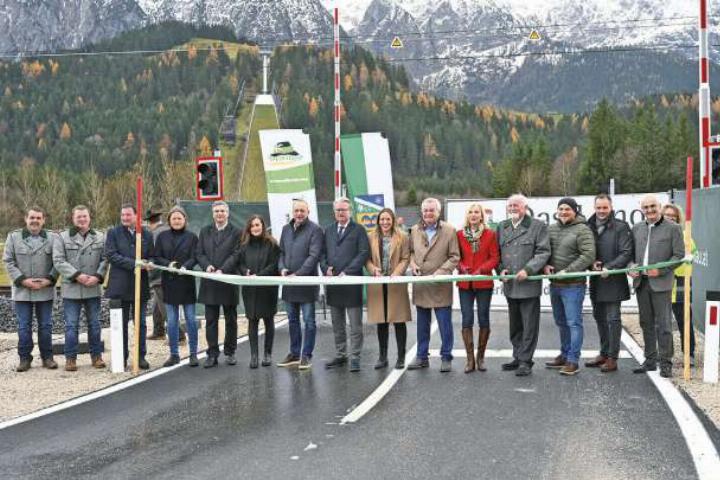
<point x="117" y="361"/>
<point x="712" y="337"/>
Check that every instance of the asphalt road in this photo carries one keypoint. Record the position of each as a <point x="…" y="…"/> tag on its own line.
<point x="232" y="422"/>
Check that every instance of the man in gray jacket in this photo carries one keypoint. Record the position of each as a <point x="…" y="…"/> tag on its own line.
<point x="572" y="247"/>
<point x="301" y="246"/>
<point x="524" y="251"/>
<point x="656" y="240"/>
<point x="28" y="259"/>
<point x="78" y="254"/>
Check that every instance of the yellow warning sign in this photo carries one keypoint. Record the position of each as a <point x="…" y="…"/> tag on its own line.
<point x="534" y="35"/>
<point x="396" y="43"/>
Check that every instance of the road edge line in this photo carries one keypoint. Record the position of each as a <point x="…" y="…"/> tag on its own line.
<point x="702" y="449"/>
<point x="114" y="388"/>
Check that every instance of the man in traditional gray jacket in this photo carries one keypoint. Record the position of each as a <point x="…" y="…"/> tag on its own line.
<point x="346" y="251"/>
<point x="28" y="259"/>
<point x="78" y="255"/>
<point x="524" y="251"/>
<point x="656" y="240"/>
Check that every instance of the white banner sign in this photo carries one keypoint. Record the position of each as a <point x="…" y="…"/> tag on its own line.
<point x="627" y="208"/>
<point x="287" y="160"/>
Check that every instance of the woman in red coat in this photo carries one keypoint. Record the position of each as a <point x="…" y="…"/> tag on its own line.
<point x="479" y="255"/>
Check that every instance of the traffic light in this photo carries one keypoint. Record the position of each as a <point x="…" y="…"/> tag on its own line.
<point x="209" y="178"/>
<point x="715" y="166"/>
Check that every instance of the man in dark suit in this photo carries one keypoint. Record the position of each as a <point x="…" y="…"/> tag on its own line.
<point x="656" y="240"/>
<point x="120" y="252"/>
<point x="346" y="251"/>
<point x="301" y="246"/>
<point x="216" y="244"/>
<point x="614" y="249"/>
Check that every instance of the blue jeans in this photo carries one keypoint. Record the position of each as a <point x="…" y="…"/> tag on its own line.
<point x="24" y="315"/>
<point x="173" y="323"/>
<point x="567" y="304"/>
<point x="71" y="313"/>
<point x="444" y="320"/>
<point x="296" y="336"/>
<point x="467" y="300"/>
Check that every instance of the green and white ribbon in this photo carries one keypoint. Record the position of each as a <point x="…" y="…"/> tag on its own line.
<point x="244" y="280"/>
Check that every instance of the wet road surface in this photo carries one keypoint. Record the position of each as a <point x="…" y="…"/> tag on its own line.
<point x="232" y="422"/>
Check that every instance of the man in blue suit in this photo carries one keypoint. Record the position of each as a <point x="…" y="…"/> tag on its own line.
<point x="120" y="252"/>
<point x="346" y="251"/>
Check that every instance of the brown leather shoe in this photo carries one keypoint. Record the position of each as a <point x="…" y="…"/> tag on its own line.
<point x="610" y="365"/>
<point x="49" y="363"/>
<point x="569" y="369"/>
<point x="558" y="362"/>
<point x="596" y="362"/>
<point x="70" y="365"/>
<point x="483" y="336"/>
<point x="467" y="336"/>
<point x="156" y="336"/>
<point x="97" y="362"/>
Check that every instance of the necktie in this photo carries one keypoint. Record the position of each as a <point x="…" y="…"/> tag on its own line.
<point x="340" y="231"/>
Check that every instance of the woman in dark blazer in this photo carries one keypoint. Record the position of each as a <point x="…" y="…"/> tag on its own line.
<point x="257" y="254"/>
<point x="479" y="255"/>
<point x="176" y="248"/>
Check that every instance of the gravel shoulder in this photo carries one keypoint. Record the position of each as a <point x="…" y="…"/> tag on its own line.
<point x="27" y="392"/>
<point x="705" y="395"/>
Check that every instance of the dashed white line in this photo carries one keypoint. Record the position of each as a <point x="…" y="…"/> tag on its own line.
<point x="507" y="353"/>
<point x="379" y="393"/>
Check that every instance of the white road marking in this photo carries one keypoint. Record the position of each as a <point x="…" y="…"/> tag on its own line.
<point x="112" y="389"/>
<point x="507" y="353"/>
<point x="702" y="449"/>
<point x="383" y="389"/>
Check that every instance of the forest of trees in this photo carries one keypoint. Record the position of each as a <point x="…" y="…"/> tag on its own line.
<point x="79" y="129"/>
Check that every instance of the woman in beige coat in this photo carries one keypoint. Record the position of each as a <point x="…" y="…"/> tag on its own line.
<point x="388" y="303"/>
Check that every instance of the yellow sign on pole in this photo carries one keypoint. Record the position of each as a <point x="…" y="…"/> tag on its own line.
<point x="534" y="35"/>
<point x="396" y="43"/>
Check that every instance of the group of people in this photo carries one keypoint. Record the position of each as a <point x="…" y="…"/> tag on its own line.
<point x="518" y="248"/>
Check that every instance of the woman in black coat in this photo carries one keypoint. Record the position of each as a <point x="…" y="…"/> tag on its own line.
<point x="176" y="248"/>
<point x="257" y="255"/>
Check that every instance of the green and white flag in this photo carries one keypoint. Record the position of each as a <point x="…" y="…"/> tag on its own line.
<point x="368" y="173"/>
<point x="287" y="160"/>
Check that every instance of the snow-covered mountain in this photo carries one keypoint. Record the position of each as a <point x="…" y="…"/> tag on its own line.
<point x="476" y="49"/>
<point x="265" y="21"/>
<point x="46" y="25"/>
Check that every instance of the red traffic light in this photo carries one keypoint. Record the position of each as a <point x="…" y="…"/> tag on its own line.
<point x="209" y="178"/>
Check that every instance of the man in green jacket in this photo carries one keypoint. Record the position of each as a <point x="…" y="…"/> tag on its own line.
<point x="572" y="246"/>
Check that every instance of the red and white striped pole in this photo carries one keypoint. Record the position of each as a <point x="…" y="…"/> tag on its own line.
<point x="338" y="160"/>
<point x="704" y="97"/>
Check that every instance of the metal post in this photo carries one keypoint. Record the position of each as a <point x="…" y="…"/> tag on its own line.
<point x="687" y="273"/>
<point x="265" y="74"/>
<point x="704" y="96"/>
<point x="338" y="160"/>
<point x="117" y="360"/>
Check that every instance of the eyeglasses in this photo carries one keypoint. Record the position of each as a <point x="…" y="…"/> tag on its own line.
<point x="342" y="209"/>
<point x="649" y="207"/>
